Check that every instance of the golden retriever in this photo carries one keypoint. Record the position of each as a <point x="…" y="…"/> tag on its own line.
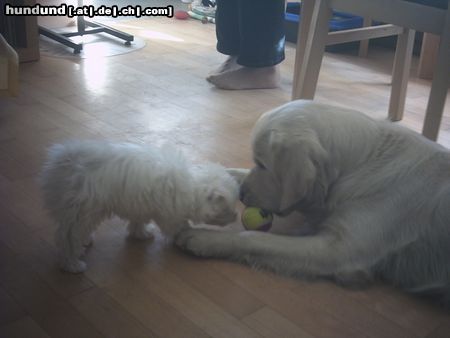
<point x="376" y="194"/>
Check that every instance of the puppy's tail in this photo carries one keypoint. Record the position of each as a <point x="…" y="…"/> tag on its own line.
<point x="57" y="157"/>
<point x="56" y="180"/>
<point x="439" y="293"/>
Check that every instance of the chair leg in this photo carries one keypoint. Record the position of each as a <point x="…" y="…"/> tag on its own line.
<point x="364" y="44"/>
<point x="400" y="74"/>
<point x="310" y="48"/>
<point x="302" y="36"/>
<point x="439" y="85"/>
<point x="428" y="56"/>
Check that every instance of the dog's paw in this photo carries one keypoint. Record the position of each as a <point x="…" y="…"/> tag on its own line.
<point x="89" y="241"/>
<point x="76" y="266"/>
<point x="141" y="232"/>
<point x="204" y="243"/>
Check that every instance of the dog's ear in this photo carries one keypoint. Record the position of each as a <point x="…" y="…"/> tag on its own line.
<point x="238" y="174"/>
<point x="298" y="162"/>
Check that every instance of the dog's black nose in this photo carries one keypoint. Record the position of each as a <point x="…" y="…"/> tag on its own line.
<point x="241" y="195"/>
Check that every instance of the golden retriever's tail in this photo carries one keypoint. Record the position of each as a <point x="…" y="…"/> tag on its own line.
<point x="439" y="293"/>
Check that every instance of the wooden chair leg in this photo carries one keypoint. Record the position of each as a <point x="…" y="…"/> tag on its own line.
<point x="364" y="44"/>
<point x="400" y="74"/>
<point x="439" y="85"/>
<point x="428" y="56"/>
<point x="310" y="47"/>
<point x="302" y="37"/>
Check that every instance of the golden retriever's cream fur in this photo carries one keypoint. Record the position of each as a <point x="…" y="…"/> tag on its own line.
<point x="376" y="195"/>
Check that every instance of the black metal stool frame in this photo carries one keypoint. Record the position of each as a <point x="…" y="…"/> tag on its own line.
<point x="84" y="27"/>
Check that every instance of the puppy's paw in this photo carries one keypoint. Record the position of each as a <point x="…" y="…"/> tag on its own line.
<point x="89" y="241"/>
<point x="141" y="232"/>
<point x="75" y="266"/>
<point x="204" y="243"/>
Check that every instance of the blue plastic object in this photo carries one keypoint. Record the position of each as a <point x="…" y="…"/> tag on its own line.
<point x="339" y="21"/>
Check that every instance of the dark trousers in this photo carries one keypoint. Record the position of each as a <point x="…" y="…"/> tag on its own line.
<point x="252" y="30"/>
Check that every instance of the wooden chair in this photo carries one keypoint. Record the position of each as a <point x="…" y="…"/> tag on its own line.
<point x="9" y="69"/>
<point x="403" y="18"/>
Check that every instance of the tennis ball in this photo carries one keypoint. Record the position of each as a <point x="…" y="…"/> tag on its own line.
<point x="256" y="219"/>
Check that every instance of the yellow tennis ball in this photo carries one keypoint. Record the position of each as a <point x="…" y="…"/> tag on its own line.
<point x="256" y="219"/>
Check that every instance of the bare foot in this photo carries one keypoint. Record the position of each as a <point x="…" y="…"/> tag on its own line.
<point x="229" y="64"/>
<point x="247" y="78"/>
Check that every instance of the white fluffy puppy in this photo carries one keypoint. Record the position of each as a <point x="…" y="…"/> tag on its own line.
<point x="85" y="183"/>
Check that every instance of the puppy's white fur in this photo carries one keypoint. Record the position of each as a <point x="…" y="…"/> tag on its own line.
<point x="85" y="183"/>
<point x="377" y="195"/>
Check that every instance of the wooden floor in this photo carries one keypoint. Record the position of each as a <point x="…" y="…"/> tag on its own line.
<point x="135" y="289"/>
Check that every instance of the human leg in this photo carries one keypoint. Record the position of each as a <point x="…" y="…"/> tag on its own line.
<point x="261" y="45"/>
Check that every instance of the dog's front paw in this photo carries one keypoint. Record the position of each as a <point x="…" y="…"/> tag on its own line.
<point x="89" y="241"/>
<point x="204" y="243"/>
<point x="75" y="266"/>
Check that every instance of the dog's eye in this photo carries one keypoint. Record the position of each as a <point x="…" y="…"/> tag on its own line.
<point x="259" y="164"/>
